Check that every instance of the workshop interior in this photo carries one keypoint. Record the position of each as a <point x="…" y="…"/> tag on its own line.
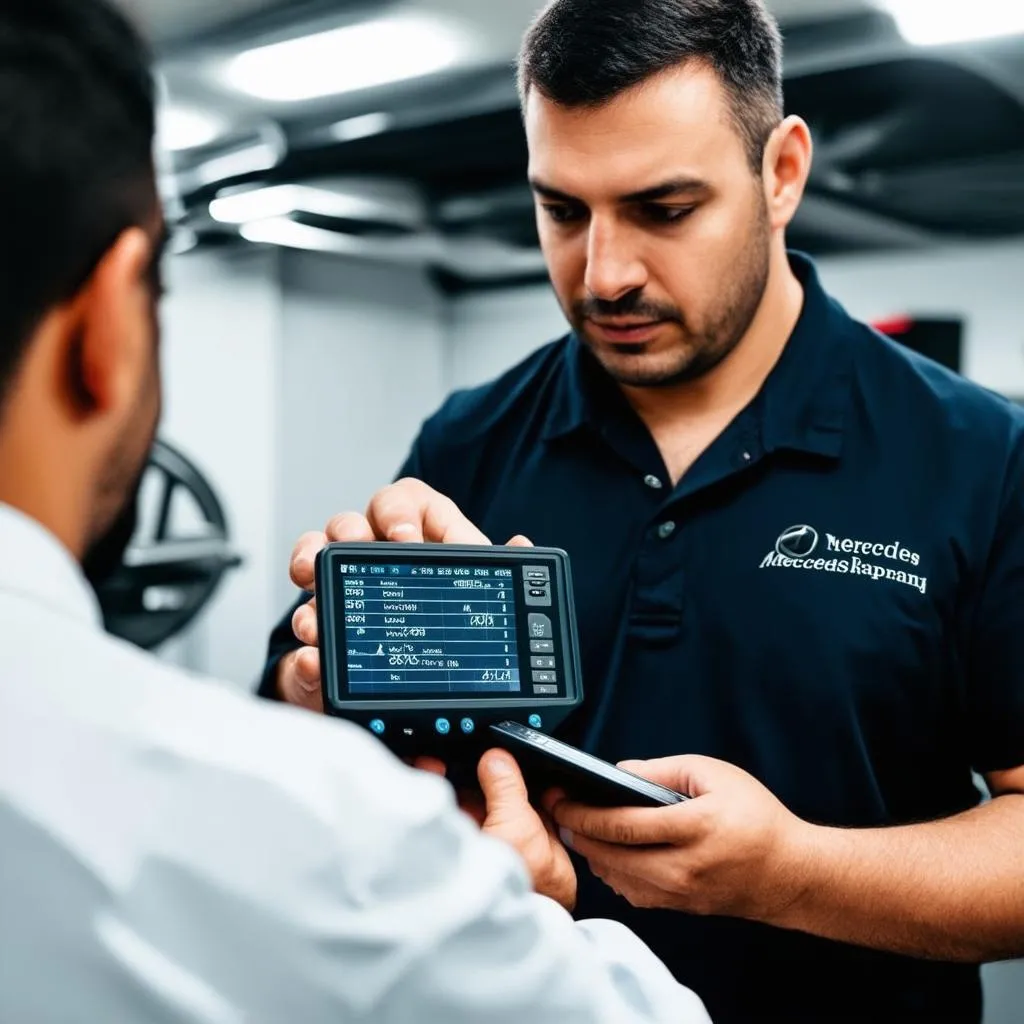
<point x="354" y="238"/>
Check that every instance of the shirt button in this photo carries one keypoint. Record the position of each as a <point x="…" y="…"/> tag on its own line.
<point x="747" y="456"/>
<point x="666" y="530"/>
<point x="653" y="482"/>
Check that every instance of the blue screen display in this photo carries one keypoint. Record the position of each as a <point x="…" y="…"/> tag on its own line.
<point x="420" y="628"/>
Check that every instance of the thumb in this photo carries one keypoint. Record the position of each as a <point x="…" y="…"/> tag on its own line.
<point x="689" y="774"/>
<point x="519" y="541"/>
<point x="503" y="786"/>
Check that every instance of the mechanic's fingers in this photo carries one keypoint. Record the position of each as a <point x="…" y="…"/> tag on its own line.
<point x="304" y="624"/>
<point x="431" y="765"/>
<point x="301" y="568"/>
<point x="349" y="528"/>
<point x="503" y="787"/>
<point x="299" y="679"/>
<point x="552" y="798"/>
<point x="520" y="541"/>
<point x="398" y="512"/>
<point x="691" y="774"/>
<point x="411" y="512"/>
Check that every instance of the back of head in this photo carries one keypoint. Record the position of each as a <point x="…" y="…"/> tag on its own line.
<point x="583" y="53"/>
<point x="76" y="133"/>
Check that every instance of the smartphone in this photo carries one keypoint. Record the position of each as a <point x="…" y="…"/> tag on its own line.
<point x="548" y="762"/>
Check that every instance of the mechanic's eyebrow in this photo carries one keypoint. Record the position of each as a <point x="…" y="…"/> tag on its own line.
<point x="668" y="190"/>
<point x="654" y="193"/>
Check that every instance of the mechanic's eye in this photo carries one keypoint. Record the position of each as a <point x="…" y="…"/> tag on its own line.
<point x="657" y="213"/>
<point x="564" y="213"/>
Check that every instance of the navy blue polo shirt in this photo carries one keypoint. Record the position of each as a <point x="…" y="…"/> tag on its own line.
<point x="831" y="598"/>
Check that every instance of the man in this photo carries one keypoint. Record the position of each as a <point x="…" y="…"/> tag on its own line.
<point x="131" y="795"/>
<point x="797" y="547"/>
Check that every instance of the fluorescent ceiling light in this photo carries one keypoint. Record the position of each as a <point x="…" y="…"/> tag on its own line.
<point x="474" y="260"/>
<point x="288" y="233"/>
<point x="345" y="59"/>
<point x="281" y="200"/>
<point x="360" y="127"/>
<point x="180" y="128"/>
<point x="257" y="204"/>
<point x="261" y="156"/>
<point x="938" y="22"/>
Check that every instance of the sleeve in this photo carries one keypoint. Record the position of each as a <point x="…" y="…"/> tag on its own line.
<point x="329" y="882"/>
<point x="996" y="644"/>
<point x="470" y="941"/>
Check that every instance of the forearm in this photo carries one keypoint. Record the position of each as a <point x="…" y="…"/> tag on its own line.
<point x="949" y="890"/>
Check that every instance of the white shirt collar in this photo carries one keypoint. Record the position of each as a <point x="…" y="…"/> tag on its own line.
<point x="36" y="567"/>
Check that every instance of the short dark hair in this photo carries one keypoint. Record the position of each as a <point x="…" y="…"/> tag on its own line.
<point x="583" y="53"/>
<point x="77" y="124"/>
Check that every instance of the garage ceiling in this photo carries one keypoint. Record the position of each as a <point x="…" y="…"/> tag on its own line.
<point x="176" y="21"/>
<point x="913" y="147"/>
<point x="167" y="21"/>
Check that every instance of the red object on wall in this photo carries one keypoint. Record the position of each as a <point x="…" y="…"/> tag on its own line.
<point x="895" y="325"/>
<point x="940" y="339"/>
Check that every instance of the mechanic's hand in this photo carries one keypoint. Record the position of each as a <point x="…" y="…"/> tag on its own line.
<point x="733" y="850"/>
<point x="298" y="674"/>
<point x="408" y="511"/>
<point x="512" y="818"/>
<point x="471" y="801"/>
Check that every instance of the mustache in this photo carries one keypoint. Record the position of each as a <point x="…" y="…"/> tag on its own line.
<point x="632" y="304"/>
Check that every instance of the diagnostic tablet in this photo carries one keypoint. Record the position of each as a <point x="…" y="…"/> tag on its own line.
<point x="427" y="645"/>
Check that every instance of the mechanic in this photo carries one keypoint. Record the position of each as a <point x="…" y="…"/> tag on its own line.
<point x="798" y="547"/>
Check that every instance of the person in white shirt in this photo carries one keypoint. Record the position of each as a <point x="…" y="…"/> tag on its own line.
<point x="172" y="851"/>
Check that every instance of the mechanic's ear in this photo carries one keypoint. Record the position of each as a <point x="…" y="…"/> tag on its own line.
<point x="114" y="343"/>
<point x="787" y="166"/>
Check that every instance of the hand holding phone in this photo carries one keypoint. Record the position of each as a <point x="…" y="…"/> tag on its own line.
<point x="548" y="762"/>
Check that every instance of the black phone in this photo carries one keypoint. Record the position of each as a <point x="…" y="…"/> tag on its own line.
<point x="550" y="763"/>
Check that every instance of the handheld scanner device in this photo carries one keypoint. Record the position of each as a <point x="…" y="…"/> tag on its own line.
<point x="427" y="645"/>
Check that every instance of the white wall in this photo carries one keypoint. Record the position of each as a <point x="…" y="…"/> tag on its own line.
<point x="493" y="330"/>
<point x="361" y="368"/>
<point x="981" y="283"/>
<point x="221" y="342"/>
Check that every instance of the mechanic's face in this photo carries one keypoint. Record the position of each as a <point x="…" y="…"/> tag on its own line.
<point x="654" y="226"/>
<point x="116" y="512"/>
